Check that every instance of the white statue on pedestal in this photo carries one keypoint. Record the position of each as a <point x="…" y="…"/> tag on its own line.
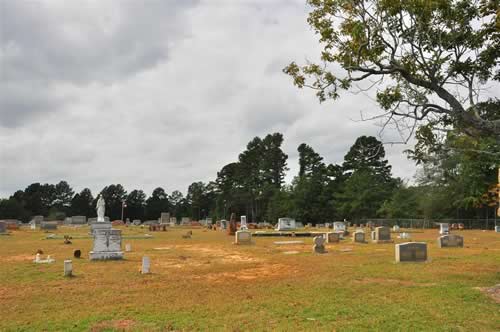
<point x="101" y="207"/>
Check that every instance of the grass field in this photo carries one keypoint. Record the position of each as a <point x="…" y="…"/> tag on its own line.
<point x="207" y="283"/>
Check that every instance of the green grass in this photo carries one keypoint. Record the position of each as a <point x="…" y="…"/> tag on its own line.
<point x="207" y="283"/>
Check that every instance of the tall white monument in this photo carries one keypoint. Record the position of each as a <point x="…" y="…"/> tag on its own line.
<point x="101" y="209"/>
<point x="107" y="241"/>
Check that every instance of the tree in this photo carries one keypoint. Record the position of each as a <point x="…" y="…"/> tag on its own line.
<point x="63" y="196"/>
<point x="38" y="198"/>
<point x="114" y="195"/>
<point x="136" y="204"/>
<point x="432" y="57"/>
<point x="82" y="204"/>
<point x="309" y="160"/>
<point x="13" y="209"/>
<point x="156" y="204"/>
<point x="367" y="153"/>
<point x="179" y="204"/>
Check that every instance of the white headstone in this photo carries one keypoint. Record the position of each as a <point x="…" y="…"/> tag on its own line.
<point x="444" y="228"/>
<point x="286" y="224"/>
<point x="146" y="265"/>
<point x="68" y="268"/>
<point x="243" y="223"/>
<point x="339" y="226"/>
<point x="128" y="247"/>
<point x="395" y="228"/>
<point x="243" y="237"/>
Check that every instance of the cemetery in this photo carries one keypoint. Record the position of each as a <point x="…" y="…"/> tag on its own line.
<point x="251" y="165"/>
<point x="169" y="281"/>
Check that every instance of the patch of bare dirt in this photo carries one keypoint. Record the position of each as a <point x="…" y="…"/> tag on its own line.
<point x="265" y="271"/>
<point x="393" y="282"/>
<point x="18" y="258"/>
<point x="121" y="325"/>
<point x="493" y="292"/>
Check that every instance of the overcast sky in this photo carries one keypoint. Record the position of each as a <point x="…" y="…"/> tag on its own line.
<point x="159" y="93"/>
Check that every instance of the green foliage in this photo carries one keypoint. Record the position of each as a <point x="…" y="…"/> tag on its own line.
<point x="157" y="203"/>
<point x="136" y="205"/>
<point x="82" y="204"/>
<point x="421" y="51"/>
<point x="114" y="195"/>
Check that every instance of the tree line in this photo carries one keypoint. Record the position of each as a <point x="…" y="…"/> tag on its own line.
<point x="455" y="181"/>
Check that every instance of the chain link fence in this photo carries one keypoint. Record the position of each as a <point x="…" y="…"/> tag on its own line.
<point x="484" y="224"/>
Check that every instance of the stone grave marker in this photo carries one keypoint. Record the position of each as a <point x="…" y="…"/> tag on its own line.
<point x="243" y="237"/>
<point x="358" y="237"/>
<point x="48" y="225"/>
<point x="339" y="226"/>
<point x="77" y="253"/>
<point x="107" y="244"/>
<point x="395" y="228"/>
<point x="497" y="229"/>
<point x="444" y="228"/>
<point x="68" y="268"/>
<point x="146" y="265"/>
<point x="450" y="240"/>
<point x="32" y="226"/>
<point x="286" y="224"/>
<point x="37" y="219"/>
<point x="128" y="247"/>
<point x="319" y="245"/>
<point x="411" y="252"/>
<point x="3" y="227"/>
<point x="373" y="235"/>
<point x="164" y="218"/>
<point x="78" y="220"/>
<point x="136" y="222"/>
<point x="243" y="223"/>
<point x="332" y="237"/>
<point x="382" y="235"/>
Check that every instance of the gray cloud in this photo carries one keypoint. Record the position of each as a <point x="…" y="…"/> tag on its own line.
<point x="158" y="93"/>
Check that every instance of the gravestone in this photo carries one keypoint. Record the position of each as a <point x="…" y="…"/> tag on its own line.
<point x="299" y="224"/>
<point x="286" y="224"/>
<point x="107" y="244"/>
<point x="358" y="237"/>
<point x="450" y="240"/>
<point x="136" y="222"/>
<point x="309" y="225"/>
<point x="68" y="268"/>
<point x="11" y="224"/>
<point x="243" y="237"/>
<point x="37" y="219"/>
<point x="444" y="228"/>
<point x="319" y="245"/>
<point x="146" y="265"/>
<point x="77" y="253"/>
<point x="339" y="226"/>
<point x="497" y="229"/>
<point x="96" y="226"/>
<point x="3" y="227"/>
<point x="395" y="228"/>
<point x="78" y="220"/>
<point x="164" y="218"/>
<point x="382" y="235"/>
<point x="185" y="221"/>
<point x="173" y="220"/>
<point x="332" y="237"/>
<point x="48" y="225"/>
<point x="32" y="226"/>
<point x="128" y="247"/>
<point x="411" y="252"/>
<point x="91" y="220"/>
<point x="373" y="235"/>
<point x="243" y="223"/>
